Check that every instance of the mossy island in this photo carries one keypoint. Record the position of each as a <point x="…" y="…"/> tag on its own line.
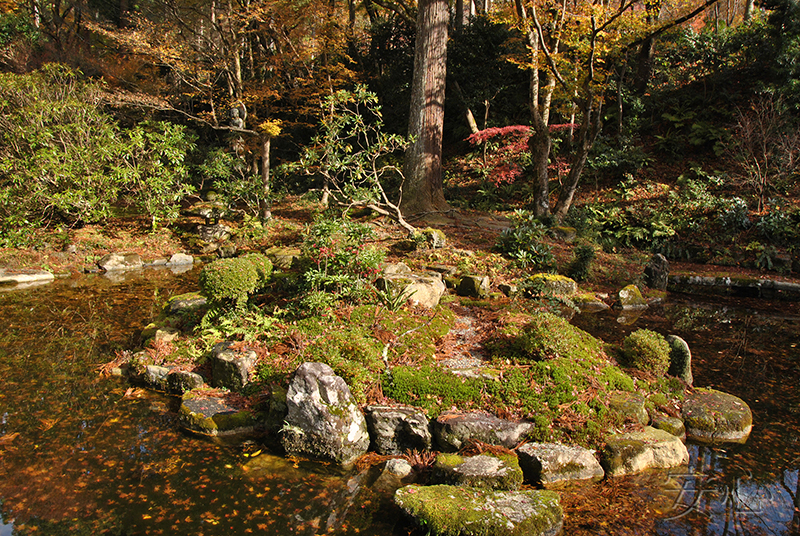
<point x="532" y="376"/>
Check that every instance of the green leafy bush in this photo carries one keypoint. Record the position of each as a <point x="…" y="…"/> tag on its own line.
<point x="339" y="261"/>
<point x="523" y="242"/>
<point x="233" y="280"/>
<point x="647" y="350"/>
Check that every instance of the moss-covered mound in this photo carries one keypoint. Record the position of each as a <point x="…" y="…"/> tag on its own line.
<point x="455" y="511"/>
<point x="548" y="336"/>
<point x="647" y="350"/>
<point x="233" y="280"/>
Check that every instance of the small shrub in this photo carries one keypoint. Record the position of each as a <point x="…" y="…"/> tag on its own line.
<point x="233" y="280"/>
<point x="581" y="265"/>
<point x="523" y="243"/>
<point x="647" y="350"/>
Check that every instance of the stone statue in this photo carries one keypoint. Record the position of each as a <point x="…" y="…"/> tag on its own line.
<point x="238" y="115"/>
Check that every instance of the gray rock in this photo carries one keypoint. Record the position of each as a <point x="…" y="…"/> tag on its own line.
<point x="631" y="406"/>
<point x="453" y="429"/>
<point x="454" y="510"/>
<point x="323" y="420"/>
<point x="218" y="232"/>
<point x="230" y="369"/>
<point x="715" y="417"/>
<point x="180" y="381"/>
<point x="656" y="273"/>
<point x="398" y="467"/>
<point x="166" y="334"/>
<point x="680" y="359"/>
<point x="473" y="286"/>
<point x="631" y="297"/>
<point x="394" y="430"/>
<point x="423" y="290"/>
<point x="283" y="258"/>
<point x="395" y="268"/>
<point x="483" y="471"/>
<point x="26" y="276"/>
<point x="213" y="416"/>
<point x="120" y="261"/>
<point x="434" y="238"/>
<point x="552" y="462"/>
<point x="155" y="377"/>
<point x="635" y="452"/>
<point x="186" y="303"/>
<point x="180" y="259"/>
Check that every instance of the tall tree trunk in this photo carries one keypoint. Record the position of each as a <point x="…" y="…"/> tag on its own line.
<point x="423" y="160"/>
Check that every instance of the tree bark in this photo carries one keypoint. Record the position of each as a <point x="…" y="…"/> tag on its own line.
<point x="264" y="202"/>
<point x="423" y="159"/>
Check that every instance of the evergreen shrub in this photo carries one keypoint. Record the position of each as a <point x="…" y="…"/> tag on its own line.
<point x="233" y="280"/>
<point x="647" y="350"/>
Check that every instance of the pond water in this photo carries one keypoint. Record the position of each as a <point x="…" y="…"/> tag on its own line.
<point x="80" y="454"/>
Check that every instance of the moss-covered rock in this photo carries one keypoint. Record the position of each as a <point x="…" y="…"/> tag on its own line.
<point x="554" y="284"/>
<point x="212" y="416"/>
<point x="454" y="511"/>
<point x="712" y="416"/>
<point x="473" y="286"/>
<point x="680" y="359"/>
<point x="631" y="297"/>
<point x="630" y="406"/>
<point x="670" y="424"/>
<point x="484" y="471"/>
<point x="647" y="350"/>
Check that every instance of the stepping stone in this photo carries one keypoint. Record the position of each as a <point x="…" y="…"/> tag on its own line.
<point x="450" y="510"/>
<point x="483" y="471"/>
<point x="453" y="429"/>
<point x="634" y="452"/>
<point x="553" y="462"/>
<point x="715" y="417"/>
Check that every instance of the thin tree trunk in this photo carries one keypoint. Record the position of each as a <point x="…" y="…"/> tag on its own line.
<point x="588" y="133"/>
<point x="423" y="160"/>
<point x="473" y="125"/>
<point x="264" y="202"/>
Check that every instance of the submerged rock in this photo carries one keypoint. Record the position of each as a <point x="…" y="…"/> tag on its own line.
<point x="635" y="452"/>
<point x="453" y="429"/>
<point x="323" y="420"/>
<point x="554" y="462"/>
<point x="213" y="416"/>
<point x="715" y="417"/>
<point x="483" y="471"/>
<point x="450" y="510"/>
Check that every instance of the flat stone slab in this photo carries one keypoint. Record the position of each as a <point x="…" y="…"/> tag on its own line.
<point x="554" y="462"/>
<point x="635" y="452"/>
<point x="452" y="429"/>
<point x="213" y="416"/>
<point x="734" y="286"/>
<point x="483" y="471"/>
<point x="25" y="276"/>
<point x="715" y="417"/>
<point x="450" y="510"/>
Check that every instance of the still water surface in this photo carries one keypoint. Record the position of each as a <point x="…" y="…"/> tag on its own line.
<point x="78" y="456"/>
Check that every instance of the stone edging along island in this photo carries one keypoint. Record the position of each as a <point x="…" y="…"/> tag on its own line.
<point x="743" y="287"/>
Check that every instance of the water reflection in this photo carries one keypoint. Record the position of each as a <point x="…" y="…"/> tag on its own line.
<point x="81" y="455"/>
